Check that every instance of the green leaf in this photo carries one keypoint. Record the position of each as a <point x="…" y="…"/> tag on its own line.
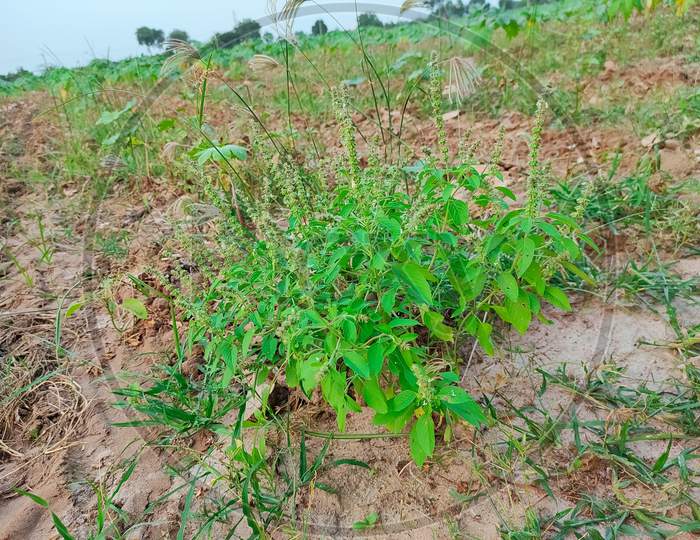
<point x="661" y="461"/>
<point x="483" y="335"/>
<point x="563" y="219"/>
<point x="61" y="528"/>
<point x="458" y="213"/>
<point x="433" y="321"/>
<point x="571" y="248"/>
<point x="422" y="438"/>
<point x="416" y="278"/>
<point x="388" y="300"/>
<point x="517" y="314"/>
<point x="557" y="297"/>
<point x="73" y="308"/>
<point x="402" y="400"/>
<point x="166" y="124"/>
<point x="526" y="254"/>
<point x="333" y="388"/>
<point x="578" y="272"/>
<point x="247" y="340"/>
<point x="507" y="192"/>
<point x="349" y="461"/>
<point x="135" y="307"/>
<point x="375" y="357"/>
<point x="308" y="373"/>
<point x="361" y="237"/>
<point x="534" y="277"/>
<point x="107" y="117"/>
<point x="374" y="397"/>
<point x="458" y="401"/>
<point x="330" y="342"/>
<point x="589" y="242"/>
<point x="403" y="323"/>
<point x="378" y="261"/>
<point x="38" y="500"/>
<point x="356" y="362"/>
<point x="350" y="331"/>
<point x="390" y="225"/>
<point x="269" y="347"/>
<point x="366" y="523"/>
<point x="221" y="153"/>
<point x="230" y="356"/>
<point x="291" y="373"/>
<point x="506" y="282"/>
<point x="520" y="315"/>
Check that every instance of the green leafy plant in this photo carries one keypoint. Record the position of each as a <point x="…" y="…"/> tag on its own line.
<point x="366" y="291"/>
<point x="630" y="202"/>
<point x="109" y="516"/>
<point x="43" y="243"/>
<point x="366" y="523"/>
<point x="23" y="270"/>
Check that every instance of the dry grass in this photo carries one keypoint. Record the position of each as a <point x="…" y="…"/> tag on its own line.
<point x="42" y="408"/>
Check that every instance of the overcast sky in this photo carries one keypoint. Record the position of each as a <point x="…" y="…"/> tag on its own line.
<point x="69" y="33"/>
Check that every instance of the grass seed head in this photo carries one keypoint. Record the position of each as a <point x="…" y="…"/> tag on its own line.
<point x="182" y="54"/>
<point x="463" y="80"/>
<point x="261" y="63"/>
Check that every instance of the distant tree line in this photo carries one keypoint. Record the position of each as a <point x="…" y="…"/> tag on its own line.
<point x="11" y="77"/>
<point x="457" y="8"/>
<point x="244" y="30"/>
<point x="249" y="29"/>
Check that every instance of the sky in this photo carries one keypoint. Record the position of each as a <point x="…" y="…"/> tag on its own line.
<point x="37" y="33"/>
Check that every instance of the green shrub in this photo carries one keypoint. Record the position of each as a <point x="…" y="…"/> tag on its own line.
<point x="375" y="276"/>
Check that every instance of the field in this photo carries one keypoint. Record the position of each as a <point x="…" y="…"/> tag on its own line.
<point x="430" y="280"/>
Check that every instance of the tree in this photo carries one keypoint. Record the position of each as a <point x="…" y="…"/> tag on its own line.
<point x="246" y="29"/>
<point x="180" y="35"/>
<point x="368" y="19"/>
<point x="149" y="37"/>
<point x="319" y="28"/>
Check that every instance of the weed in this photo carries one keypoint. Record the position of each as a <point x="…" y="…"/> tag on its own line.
<point x="23" y="271"/>
<point x="632" y="203"/>
<point x="366" y="297"/>
<point x="112" y="244"/>
<point x="654" y="283"/>
<point x="110" y="521"/>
